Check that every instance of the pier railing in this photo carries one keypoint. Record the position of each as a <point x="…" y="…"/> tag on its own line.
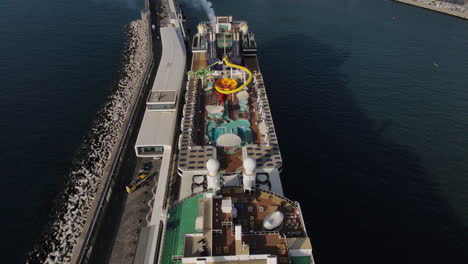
<point x="84" y="251"/>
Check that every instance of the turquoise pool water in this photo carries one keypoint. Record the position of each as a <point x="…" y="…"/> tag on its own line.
<point x="218" y="131"/>
<point x="242" y="123"/>
<point x="245" y="134"/>
<point x="240" y="127"/>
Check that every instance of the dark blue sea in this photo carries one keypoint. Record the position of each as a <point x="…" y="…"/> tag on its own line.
<point x="370" y="99"/>
<point x="58" y="62"/>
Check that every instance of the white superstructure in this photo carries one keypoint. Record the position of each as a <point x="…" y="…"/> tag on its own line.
<point x="230" y="207"/>
<point x="157" y="129"/>
<point x="156" y="136"/>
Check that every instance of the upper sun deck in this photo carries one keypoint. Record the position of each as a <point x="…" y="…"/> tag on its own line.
<point x="231" y="127"/>
<point x="233" y="225"/>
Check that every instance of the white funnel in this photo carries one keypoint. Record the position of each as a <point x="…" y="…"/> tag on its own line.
<point x="248" y="178"/>
<point x="212" y="178"/>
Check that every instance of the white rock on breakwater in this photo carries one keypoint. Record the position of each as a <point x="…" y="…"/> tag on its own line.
<point x="74" y="204"/>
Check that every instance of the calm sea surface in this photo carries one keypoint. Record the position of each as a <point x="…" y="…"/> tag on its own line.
<point x="370" y="100"/>
<point x="373" y="134"/>
<point x="58" y="61"/>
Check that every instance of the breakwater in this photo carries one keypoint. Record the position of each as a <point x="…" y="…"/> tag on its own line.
<point x="439" y="6"/>
<point x="71" y="216"/>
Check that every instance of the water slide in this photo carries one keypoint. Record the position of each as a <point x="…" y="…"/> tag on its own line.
<point x="227" y="90"/>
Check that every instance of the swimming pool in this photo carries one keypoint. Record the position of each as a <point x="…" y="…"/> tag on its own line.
<point x="242" y="123"/>
<point x="240" y="127"/>
<point x="218" y="131"/>
<point x="245" y="134"/>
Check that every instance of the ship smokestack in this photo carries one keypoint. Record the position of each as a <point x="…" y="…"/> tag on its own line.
<point x="213" y="178"/>
<point x="248" y="178"/>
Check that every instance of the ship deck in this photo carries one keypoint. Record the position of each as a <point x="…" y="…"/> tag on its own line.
<point x="198" y="61"/>
<point x="257" y="205"/>
<point x="230" y="162"/>
<point x="218" y="226"/>
<point x="228" y="128"/>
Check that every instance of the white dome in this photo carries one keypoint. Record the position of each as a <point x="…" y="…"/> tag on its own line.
<point x="212" y="166"/>
<point x="198" y="189"/>
<point x="198" y="179"/>
<point x="249" y="165"/>
<point x="273" y="220"/>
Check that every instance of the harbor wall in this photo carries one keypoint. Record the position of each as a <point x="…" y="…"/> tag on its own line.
<point x="424" y="4"/>
<point x="84" y="247"/>
<point x="76" y="217"/>
<point x="142" y="61"/>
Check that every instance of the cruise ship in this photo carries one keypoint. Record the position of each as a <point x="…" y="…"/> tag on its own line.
<point x="195" y="177"/>
<point x="229" y="205"/>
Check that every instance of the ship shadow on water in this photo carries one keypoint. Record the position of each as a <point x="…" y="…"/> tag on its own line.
<point x="365" y="199"/>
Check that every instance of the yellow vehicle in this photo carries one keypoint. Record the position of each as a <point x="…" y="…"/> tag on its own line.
<point x="142" y="178"/>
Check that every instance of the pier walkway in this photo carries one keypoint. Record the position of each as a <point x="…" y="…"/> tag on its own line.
<point x="134" y="216"/>
<point x="439" y="6"/>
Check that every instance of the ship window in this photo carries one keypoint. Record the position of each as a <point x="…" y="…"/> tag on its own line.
<point x="161" y="106"/>
<point x="158" y="150"/>
<point x="223" y="20"/>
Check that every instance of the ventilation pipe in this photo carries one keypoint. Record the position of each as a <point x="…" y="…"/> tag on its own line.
<point x="248" y="179"/>
<point x="213" y="178"/>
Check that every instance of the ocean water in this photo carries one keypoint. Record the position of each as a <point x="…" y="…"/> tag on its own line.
<point x="370" y="100"/>
<point x="372" y="132"/>
<point x="58" y="62"/>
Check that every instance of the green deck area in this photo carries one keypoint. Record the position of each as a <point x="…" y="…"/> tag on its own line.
<point x="181" y="221"/>
<point x="301" y="260"/>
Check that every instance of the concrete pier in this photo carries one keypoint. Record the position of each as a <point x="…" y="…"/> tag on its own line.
<point x="137" y="69"/>
<point x="135" y="215"/>
<point x="439" y="6"/>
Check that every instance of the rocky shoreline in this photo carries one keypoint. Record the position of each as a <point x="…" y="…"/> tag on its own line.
<point x="73" y="205"/>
